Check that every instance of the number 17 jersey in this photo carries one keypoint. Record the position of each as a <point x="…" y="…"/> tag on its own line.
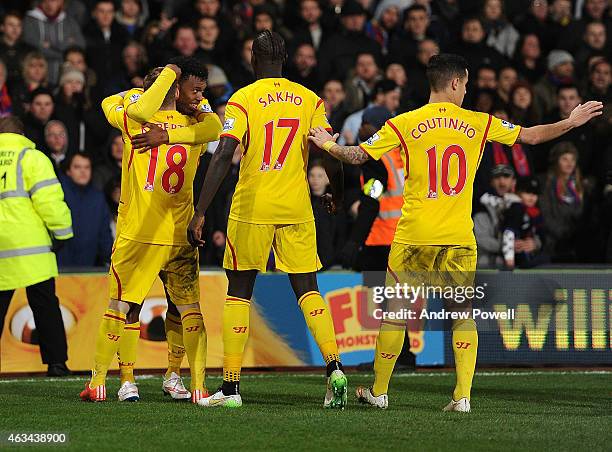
<point x="272" y="118"/>
<point x="441" y="146"/>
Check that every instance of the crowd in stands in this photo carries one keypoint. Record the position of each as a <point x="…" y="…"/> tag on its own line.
<point x="531" y="61"/>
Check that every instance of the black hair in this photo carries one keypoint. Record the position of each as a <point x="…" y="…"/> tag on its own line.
<point x="384" y="86"/>
<point x="73" y="49"/>
<point x="40" y="91"/>
<point x="269" y="46"/>
<point x="190" y="66"/>
<point x="412" y="8"/>
<point x="443" y="68"/>
<point x="489" y="68"/>
<point x="568" y="86"/>
<point x="68" y="161"/>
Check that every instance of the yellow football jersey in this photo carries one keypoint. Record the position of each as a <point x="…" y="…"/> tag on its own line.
<point x="442" y="147"/>
<point x="272" y="117"/>
<point x="156" y="202"/>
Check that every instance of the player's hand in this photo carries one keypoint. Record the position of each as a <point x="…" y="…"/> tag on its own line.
<point x="327" y="200"/>
<point x="175" y="68"/>
<point x="585" y="112"/>
<point x="320" y="136"/>
<point x="194" y="230"/>
<point x="150" y="139"/>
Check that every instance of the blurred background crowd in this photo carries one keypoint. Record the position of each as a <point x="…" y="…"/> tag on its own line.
<point x="531" y="61"/>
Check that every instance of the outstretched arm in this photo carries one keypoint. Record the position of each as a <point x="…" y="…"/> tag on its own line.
<point x="349" y="154"/>
<point x="150" y="101"/>
<point x="579" y="116"/>
<point x="219" y="165"/>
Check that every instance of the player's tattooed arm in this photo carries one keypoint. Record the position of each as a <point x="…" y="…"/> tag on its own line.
<point x="217" y="170"/>
<point x="546" y="132"/>
<point x="348" y="154"/>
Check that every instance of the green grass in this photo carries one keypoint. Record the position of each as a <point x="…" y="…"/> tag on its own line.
<point x="511" y="411"/>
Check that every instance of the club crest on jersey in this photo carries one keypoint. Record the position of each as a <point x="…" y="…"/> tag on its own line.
<point x="205" y="108"/>
<point x="134" y="97"/>
<point x="119" y="108"/>
<point x="373" y="139"/>
<point x="229" y="124"/>
<point x="507" y="125"/>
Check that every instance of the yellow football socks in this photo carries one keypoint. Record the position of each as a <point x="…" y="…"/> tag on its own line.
<point x="194" y="340"/>
<point x="320" y="323"/>
<point x="388" y="347"/>
<point x="107" y="344"/>
<point x="235" y="335"/>
<point x="176" y="349"/>
<point x="127" y="351"/>
<point x="465" y="349"/>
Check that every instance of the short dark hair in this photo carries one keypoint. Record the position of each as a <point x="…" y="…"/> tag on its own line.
<point x="413" y="8"/>
<point x="190" y="66"/>
<point x="384" y="86"/>
<point x="269" y="46"/>
<point x="443" y="68"/>
<point x="68" y="161"/>
<point x="11" y="124"/>
<point x="41" y="91"/>
<point x="73" y="49"/>
<point x="565" y="86"/>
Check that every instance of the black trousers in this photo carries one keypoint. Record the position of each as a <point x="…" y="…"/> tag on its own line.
<point x="47" y="317"/>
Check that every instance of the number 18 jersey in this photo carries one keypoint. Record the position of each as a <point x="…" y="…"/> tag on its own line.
<point x="272" y="118"/>
<point x="442" y="146"/>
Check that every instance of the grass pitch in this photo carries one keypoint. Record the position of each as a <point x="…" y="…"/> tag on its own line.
<point x="511" y="411"/>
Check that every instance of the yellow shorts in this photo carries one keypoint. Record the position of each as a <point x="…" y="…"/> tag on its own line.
<point x="432" y="264"/>
<point x="248" y="246"/>
<point x="135" y="265"/>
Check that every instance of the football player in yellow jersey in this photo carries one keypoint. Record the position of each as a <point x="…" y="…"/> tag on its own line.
<point x="442" y="147"/>
<point x="270" y="209"/>
<point x="155" y="207"/>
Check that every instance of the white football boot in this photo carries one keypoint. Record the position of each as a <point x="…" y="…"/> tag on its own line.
<point x="337" y="388"/>
<point x="218" y="399"/>
<point x="461" y="406"/>
<point x="364" y="395"/>
<point x="128" y="392"/>
<point x="175" y="388"/>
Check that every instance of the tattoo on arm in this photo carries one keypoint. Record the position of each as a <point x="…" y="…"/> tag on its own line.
<point x="219" y="166"/>
<point x="349" y="154"/>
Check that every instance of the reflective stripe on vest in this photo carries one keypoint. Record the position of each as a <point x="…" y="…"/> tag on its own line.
<point x="42" y="184"/>
<point x="25" y="251"/>
<point x="19" y="192"/>
<point x="61" y="232"/>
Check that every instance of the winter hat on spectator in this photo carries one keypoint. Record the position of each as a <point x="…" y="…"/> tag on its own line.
<point x="70" y="74"/>
<point x="376" y="116"/>
<point x="502" y="170"/>
<point x="558" y="57"/>
<point x="352" y="8"/>
<point x="528" y="184"/>
<point x="216" y="76"/>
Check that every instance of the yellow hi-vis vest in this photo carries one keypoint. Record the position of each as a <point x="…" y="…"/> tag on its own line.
<point x="31" y="208"/>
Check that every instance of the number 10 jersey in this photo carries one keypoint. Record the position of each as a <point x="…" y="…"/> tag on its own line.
<point x="272" y="118"/>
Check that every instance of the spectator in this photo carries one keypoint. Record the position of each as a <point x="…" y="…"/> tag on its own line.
<point x="486" y="78"/>
<point x="75" y="57"/>
<point x="35" y="71"/>
<point x="28" y="221"/>
<point x="594" y="43"/>
<point x="501" y="34"/>
<point x="219" y="87"/>
<point x="209" y="50"/>
<point x="333" y="96"/>
<point x="70" y="104"/>
<point x="385" y="28"/>
<point x="536" y="21"/>
<point x="568" y="98"/>
<point x="134" y="64"/>
<point x="112" y="193"/>
<point x="562" y="202"/>
<point x="56" y="143"/>
<point x="474" y="48"/>
<point x="105" y="42"/>
<point x="184" y="42"/>
<point x="419" y="86"/>
<point x="111" y="168"/>
<point x="48" y="28"/>
<point x="560" y="72"/>
<point x="214" y="10"/>
<point x="311" y="31"/>
<point x="600" y="82"/>
<point x="338" y="54"/>
<point x="528" y="58"/>
<point x="505" y="81"/>
<point x="593" y="11"/>
<point x="303" y="68"/>
<point x="495" y="250"/>
<point x="242" y="71"/>
<point x="563" y="23"/>
<point x="12" y="48"/>
<point x="6" y="107"/>
<point x="41" y="111"/>
<point x="386" y="94"/>
<point x="92" y="242"/>
<point x="359" y="88"/>
<point x="132" y="17"/>
<point x="521" y="109"/>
